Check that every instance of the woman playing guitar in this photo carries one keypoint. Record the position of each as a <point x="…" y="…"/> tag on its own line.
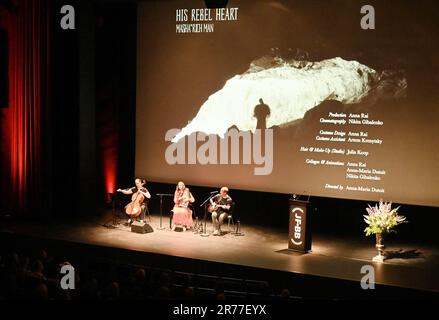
<point x="137" y="205"/>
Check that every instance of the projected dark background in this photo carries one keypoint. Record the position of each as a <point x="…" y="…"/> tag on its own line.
<point x="176" y="74"/>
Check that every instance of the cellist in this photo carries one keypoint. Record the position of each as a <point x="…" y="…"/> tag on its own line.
<point x="139" y="190"/>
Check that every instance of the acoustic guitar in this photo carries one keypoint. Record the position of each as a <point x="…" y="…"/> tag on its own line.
<point x="213" y="207"/>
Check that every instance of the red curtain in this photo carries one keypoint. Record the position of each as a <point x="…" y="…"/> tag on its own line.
<point x="108" y="146"/>
<point x="24" y="118"/>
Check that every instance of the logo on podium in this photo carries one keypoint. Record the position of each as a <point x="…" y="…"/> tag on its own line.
<point x="299" y="230"/>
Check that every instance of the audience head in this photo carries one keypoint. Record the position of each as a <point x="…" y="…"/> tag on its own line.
<point x="285" y="294"/>
<point x="41" y="292"/>
<point x="189" y="293"/>
<point x="140" y="275"/>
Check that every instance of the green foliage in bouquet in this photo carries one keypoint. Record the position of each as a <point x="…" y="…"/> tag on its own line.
<point x="382" y="218"/>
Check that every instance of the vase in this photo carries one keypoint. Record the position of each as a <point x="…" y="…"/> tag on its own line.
<point x="380" y="247"/>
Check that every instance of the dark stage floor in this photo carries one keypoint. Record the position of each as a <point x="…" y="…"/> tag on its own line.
<point x="408" y="266"/>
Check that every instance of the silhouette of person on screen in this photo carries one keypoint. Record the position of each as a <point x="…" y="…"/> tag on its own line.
<point x="261" y="112"/>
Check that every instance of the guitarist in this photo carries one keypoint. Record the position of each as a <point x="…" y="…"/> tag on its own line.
<point x="140" y="187"/>
<point x="220" y="205"/>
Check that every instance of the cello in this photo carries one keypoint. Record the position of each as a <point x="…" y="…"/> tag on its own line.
<point x="134" y="208"/>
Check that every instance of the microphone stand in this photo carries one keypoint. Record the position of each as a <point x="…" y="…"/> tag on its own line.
<point x="114" y="219"/>
<point x="205" y="234"/>
<point x="161" y="195"/>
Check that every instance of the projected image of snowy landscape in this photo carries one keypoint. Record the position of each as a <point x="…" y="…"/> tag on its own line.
<point x="290" y="88"/>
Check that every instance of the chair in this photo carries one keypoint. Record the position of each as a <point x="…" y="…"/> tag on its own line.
<point x="171" y="214"/>
<point x="146" y="211"/>
<point x="194" y="214"/>
<point x="194" y="217"/>
<point x="230" y="220"/>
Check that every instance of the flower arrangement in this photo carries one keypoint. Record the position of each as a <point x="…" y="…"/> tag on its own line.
<point x="382" y="218"/>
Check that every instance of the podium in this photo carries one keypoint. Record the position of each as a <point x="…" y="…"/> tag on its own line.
<point x="299" y="235"/>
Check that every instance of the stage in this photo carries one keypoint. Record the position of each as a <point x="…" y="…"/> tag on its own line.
<point x="260" y="252"/>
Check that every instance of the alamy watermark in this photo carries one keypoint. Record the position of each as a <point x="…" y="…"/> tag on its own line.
<point x="254" y="148"/>
<point x="368" y="280"/>
<point x="68" y="280"/>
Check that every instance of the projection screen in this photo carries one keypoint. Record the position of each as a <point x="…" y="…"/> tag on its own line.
<point x="305" y="97"/>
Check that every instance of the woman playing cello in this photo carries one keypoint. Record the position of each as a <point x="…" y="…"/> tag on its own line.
<point x="137" y="205"/>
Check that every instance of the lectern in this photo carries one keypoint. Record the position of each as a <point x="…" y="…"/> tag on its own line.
<point x="299" y="238"/>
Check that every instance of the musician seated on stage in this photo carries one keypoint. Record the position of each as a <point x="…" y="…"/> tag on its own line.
<point x="139" y="198"/>
<point x="220" y="206"/>
<point x="182" y="213"/>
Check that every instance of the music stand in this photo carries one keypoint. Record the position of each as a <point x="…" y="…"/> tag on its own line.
<point x="161" y="195"/>
<point x="205" y="234"/>
<point x="299" y="196"/>
<point x="113" y="208"/>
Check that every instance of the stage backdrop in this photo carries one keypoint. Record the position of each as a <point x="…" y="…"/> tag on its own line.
<point x="291" y="97"/>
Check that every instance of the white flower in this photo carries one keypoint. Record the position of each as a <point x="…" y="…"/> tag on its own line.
<point x="382" y="218"/>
